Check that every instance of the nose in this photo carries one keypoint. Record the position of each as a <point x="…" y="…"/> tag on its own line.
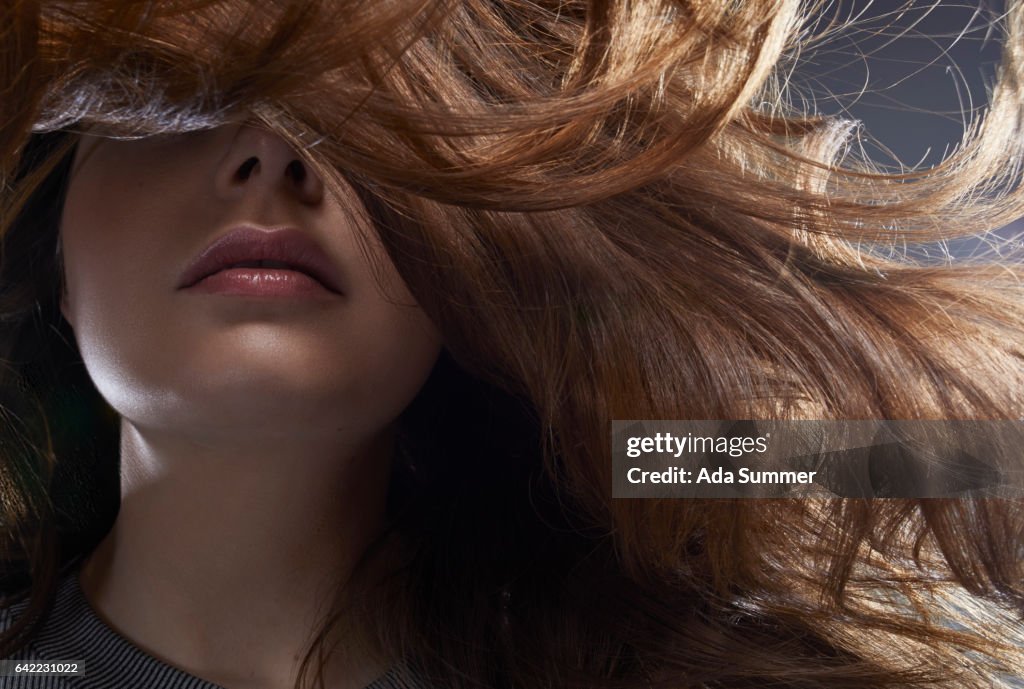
<point x="260" y="161"/>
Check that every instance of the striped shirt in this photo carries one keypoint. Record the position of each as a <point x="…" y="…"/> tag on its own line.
<point x="74" y="632"/>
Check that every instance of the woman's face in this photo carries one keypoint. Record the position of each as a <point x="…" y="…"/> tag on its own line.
<point x="137" y="214"/>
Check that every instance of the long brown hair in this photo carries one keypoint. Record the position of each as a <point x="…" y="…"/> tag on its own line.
<point x="609" y="210"/>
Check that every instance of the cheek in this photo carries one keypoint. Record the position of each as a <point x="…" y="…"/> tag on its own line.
<point x="397" y="342"/>
<point x="403" y="356"/>
<point x="106" y="265"/>
<point x="398" y="346"/>
<point x="110" y="236"/>
<point x="89" y="255"/>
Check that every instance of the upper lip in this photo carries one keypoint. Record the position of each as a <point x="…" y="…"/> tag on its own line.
<point x="248" y="243"/>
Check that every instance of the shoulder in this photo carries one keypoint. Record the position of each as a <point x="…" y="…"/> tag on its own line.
<point x="12" y="607"/>
<point x="28" y="652"/>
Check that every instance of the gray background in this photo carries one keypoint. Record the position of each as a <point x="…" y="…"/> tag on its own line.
<point x="907" y="70"/>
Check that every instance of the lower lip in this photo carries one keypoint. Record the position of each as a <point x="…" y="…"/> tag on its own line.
<point x="263" y="282"/>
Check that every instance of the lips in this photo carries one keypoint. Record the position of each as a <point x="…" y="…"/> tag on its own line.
<point x="248" y="246"/>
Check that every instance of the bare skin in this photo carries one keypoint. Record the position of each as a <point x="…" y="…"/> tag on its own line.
<point x="256" y="435"/>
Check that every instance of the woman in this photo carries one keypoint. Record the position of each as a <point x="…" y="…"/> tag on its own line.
<point x="502" y="225"/>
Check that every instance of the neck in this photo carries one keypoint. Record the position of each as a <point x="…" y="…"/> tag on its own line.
<point x="225" y="553"/>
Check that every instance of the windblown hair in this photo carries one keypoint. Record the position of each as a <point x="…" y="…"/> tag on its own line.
<point x="610" y="210"/>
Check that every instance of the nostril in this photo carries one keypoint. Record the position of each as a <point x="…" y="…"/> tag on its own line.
<point x="247" y="167"/>
<point x="296" y="170"/>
